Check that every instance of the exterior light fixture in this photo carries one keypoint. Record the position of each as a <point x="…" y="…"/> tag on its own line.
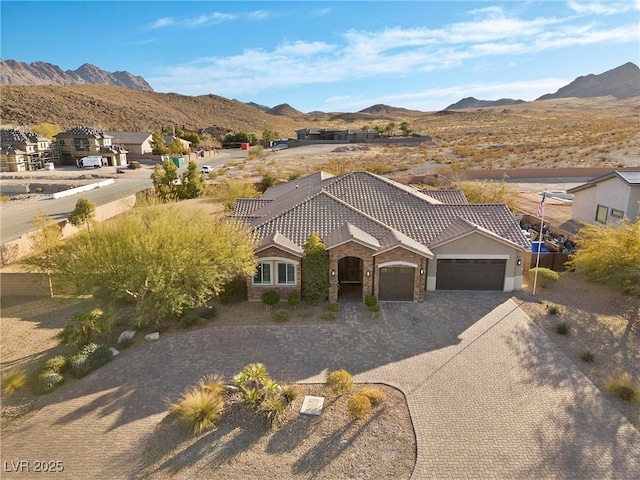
<point x="368" y="273"/>
<point x="422" y="271"/>
<point x="519" y="262"/>
<point x="333" y="273"/>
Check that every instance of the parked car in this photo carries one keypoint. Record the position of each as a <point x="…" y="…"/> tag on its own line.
<point x="206" y="169"/>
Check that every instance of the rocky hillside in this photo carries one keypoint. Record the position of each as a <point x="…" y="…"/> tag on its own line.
<point x="42" y="73"/>
<point x="471" y="102"/>
<point x="621" y="82"/>
<point x="284" y="109"/>
<point x="115" y="108"/>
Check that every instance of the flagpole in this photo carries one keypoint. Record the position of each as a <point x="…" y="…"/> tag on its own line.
<point x="540" y="240"/>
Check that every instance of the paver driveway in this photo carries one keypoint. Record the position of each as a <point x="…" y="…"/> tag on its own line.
<point x="489" y="395"/>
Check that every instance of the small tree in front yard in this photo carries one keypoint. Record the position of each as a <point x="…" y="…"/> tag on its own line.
<point x="315" y="265"/>
<point x="83" y="213"/>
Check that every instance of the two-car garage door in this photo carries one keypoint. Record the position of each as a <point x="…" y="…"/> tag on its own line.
<point x="470" y="274"/>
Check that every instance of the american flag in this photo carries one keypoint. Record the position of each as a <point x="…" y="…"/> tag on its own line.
<point x="541" y="206"/>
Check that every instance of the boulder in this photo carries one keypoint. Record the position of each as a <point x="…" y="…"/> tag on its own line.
<point x="114" y="351"/>
<point x="152" y="336"/>
<point x="126" y="335"/>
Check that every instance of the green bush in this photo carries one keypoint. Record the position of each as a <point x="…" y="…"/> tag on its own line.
<point x="329" y="315"/>
<point x="191" y="316"/>
<point x="562" y="328"/>
<point x="84" y="326"/>
<point x="48" y="381"/>
<point x="375" y="395"/>
<point x="545" y="276"/>
<point x="270" y="298"/>
<point x="57" y="364"/>
<point x="281" y="316"/>
<point x="370" y="300"/>
<point x="293" y="299"/>
<point x="234" y="291"/>
<point x="272" y="409"/>
<point x="91" y="357"/>
<point x="374" y="308"/>
<point x="12" y="381"/>
<point x="198" y="409"/>
<point x="340" y="382"/>
<point x="623" y="388"/>
<point x="358" y="406"/>
<point x="587" y="356"/>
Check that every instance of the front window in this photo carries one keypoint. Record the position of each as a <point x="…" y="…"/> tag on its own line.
<point x="286" y="274"/>
<point x="601" y="214"/>
<point x="263" y="274"/>
<point x="618" y="214"/>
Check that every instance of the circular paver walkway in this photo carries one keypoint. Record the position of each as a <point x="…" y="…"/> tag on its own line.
<point x="489" y="396"/>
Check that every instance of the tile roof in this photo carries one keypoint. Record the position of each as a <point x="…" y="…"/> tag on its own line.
<point x="244" y="207"/>
<point x="460" y="228"/>
<point x="82" y="131"/>
<point x="347" y="232"/>
<point x="136" y="138"/>
<point x="11" y="135"/>
<point x="275" y="238"/>
<point x="391" y="213"/>
<point x="447" y="196"/>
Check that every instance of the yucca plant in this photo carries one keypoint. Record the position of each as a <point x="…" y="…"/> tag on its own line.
<point x="198" y="410"/>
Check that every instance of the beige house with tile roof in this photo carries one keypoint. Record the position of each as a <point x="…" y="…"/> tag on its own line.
<point x="382" y="238"/>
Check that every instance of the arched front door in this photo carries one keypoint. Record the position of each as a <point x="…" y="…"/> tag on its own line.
<point x="350" y="278"/>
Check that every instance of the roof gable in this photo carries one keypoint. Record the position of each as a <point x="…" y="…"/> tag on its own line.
<point x="276" y="239"/>
<point x="460" y="228"/>
<point x="630" y="177"/>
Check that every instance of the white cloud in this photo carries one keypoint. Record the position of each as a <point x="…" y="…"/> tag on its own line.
<point x="603" y="8"/>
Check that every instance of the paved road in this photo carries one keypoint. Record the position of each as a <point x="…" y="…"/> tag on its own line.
<point x="489" y="395"/>
<point x="16" y="221"/>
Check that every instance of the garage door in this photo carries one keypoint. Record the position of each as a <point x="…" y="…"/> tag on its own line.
<point x="396" y="283"/>
<point x="474" y="274"/>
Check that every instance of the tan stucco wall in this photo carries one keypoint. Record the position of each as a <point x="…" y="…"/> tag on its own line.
<point x="477" y="245"/>
<point x="611" y="193"/>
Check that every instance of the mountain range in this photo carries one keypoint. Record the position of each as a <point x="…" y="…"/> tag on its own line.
<point x="43" y="73"/>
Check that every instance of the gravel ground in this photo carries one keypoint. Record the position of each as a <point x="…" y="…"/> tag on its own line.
<point x="328" y="446"/>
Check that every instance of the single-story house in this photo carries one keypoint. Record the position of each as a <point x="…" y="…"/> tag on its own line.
<point x="170" y="138"/>
<point x="136" y="143"/>
<point x="608" y="198"/>
<point x="382" y="238"/>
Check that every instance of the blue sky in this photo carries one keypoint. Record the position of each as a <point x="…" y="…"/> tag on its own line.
<point x="332" y="56"/>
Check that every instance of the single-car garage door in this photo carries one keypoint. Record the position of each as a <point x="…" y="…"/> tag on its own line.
<point x="396" y="284"/>
<point x="470" y="274"/>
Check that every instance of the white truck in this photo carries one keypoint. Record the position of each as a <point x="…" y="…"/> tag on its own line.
<point x="94" y="161"/>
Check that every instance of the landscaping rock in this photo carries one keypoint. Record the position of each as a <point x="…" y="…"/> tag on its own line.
<point x="114" y="351"/>
<point x="152" y="336"/>
<point x="126" y="335"/>
<point x="231" y="388"/>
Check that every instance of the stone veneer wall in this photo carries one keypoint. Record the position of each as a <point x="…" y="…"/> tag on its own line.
<point x="401" y="255"/>
<point x="254" y="292"/>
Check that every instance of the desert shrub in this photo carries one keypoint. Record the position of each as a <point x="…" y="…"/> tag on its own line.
<point x="198" y="410"/>
<point x="553" y="309"/>
<point x="370" y="300"/>
<point x="359" y="406"/>
<point x="4" y="198"/>
<point x="251" y="397"/>
<point x="56" y="364"/>
<point x="233" y="291"/>
<point x="270" y="298"/>
<point x="306" y="313"/>
<point x="84" y="326"/>
<point x="213" y="383"/>
<point x="378" y="168"/>
<point x="289" y="393"/>
<point x="340" y="382"/>
<point x="562" y="328"/>
<point x="375" y="395"/>
<point x="293" y="299"/>
<point x="545" y="276"/>
<point x="267" y="180"/>
<point x="12" y="381"/>
<point x="374" y="308"/>
<point x="328" y="315"/>
<point x="281" y="316"/>
<point x="272" y="409"/>
<point x="48" y="381"/>
<point x="623" y="388"/>
<point x="587" y="356"/>
<point x="191" y="316"/>
<point x="91" y="357"/>
<point x="333" y="307"/>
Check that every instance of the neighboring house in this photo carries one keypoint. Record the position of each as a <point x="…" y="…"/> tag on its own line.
<point x="382" y="238"/>
<point x="136" y="143"/>
<point x="78" y="142"/>
<point x="21" y="151"/>
<point x="336" y="135"/>
<point x="185" y="143"/>
<point x="608" y="198"/>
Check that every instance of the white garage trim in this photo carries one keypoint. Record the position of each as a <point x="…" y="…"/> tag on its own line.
<point x="431" y="284"/>
<point x="398" y="263"/>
